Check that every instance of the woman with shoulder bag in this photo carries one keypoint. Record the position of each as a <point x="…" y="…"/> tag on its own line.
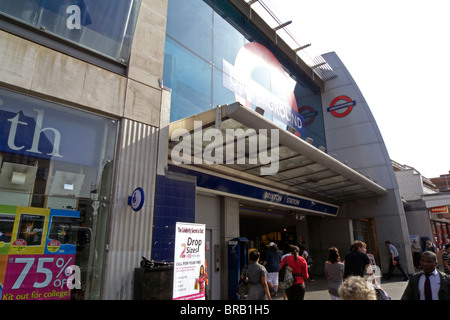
<point x="257" y="277"/>
<point x="299" y="271"/>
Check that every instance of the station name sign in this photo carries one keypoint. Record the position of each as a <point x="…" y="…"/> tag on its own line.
<point x="299" y="203"/>
<point x="258" y="193"/>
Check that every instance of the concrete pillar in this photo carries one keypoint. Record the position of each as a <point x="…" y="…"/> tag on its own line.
<point x="229" y="221"/>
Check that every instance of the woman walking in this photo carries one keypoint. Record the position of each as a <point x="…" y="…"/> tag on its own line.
<point x="334" y="272"/>
<point x="257" y="276"/>
<point x="299" y="271"/>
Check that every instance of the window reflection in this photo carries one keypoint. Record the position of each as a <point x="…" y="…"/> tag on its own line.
<point x="190" y="23"/>
<point x="189" y="77"/>
<point x="104" y="26"/>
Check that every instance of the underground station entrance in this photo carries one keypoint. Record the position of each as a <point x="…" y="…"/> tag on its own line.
<point x="262" y="224"/>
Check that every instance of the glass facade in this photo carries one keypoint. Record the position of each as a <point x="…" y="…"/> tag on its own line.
<point x="55" y="185"/>
<point x="106" y="27"/>
<point x="215" y="56"/>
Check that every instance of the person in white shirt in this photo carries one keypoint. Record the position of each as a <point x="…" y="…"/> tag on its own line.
<point x="395" y="262"/>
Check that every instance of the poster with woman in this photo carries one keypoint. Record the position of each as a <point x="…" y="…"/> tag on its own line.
<point x="189" y="279"/>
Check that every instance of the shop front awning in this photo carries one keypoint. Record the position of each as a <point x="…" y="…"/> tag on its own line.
<point x="301" y="168"/>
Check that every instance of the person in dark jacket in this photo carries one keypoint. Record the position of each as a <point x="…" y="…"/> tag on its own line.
<point x="439" y="282"/>
<point x="272" y="263"/>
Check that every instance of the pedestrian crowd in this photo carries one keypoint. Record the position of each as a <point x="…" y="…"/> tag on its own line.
<point x="352" y="278"/>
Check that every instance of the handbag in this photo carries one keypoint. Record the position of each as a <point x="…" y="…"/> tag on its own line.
<point x="381" y="294"/>
<point x="285" y="277"/>
<point x="243" y="284"/>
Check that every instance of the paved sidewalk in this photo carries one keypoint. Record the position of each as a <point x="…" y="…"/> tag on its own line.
<point x="318" y="290"/>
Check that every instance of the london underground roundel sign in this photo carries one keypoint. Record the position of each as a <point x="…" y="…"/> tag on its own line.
<point x="308" y="113"/>
<point x="341" y="103"/>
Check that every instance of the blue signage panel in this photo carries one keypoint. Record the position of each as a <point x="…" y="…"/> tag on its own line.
<point x="37" y="128"/>
<point x="233" y="187"/>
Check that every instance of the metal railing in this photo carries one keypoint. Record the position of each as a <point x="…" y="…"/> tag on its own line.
<point x="267" y="10"/>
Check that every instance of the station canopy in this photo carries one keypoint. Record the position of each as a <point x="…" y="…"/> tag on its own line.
<point x="302" y="168"/>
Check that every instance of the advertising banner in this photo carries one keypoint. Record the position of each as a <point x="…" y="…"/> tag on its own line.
<point x="37" y="277"/>
<point x="189" y="279"/>
<point x="37" y="253"/>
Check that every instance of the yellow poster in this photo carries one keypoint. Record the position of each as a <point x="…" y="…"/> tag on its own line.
<point x="29" y="231"/>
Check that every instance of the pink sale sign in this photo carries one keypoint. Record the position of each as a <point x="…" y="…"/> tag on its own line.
<point x="38" y="277"/>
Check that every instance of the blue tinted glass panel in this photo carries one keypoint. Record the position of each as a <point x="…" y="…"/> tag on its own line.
<point x="228" y="37"/>
<point x="246" y="67"/>
<point x="24" y="10"/>
<point x="103" y="26"/>
<point x="190" y="23"/>
<point x="189" y="77"/>
<point x="221" y="95"/>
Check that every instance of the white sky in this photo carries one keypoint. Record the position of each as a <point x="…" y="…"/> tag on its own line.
<point x="397" y="52"/>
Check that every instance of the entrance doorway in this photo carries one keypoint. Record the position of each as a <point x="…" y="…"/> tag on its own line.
<point x="283" y="238"/>
<point x="364" y="230"/>
<point x="263" y="223"/>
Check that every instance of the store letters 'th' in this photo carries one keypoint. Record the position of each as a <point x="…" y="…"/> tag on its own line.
<point x="36" y="136"/>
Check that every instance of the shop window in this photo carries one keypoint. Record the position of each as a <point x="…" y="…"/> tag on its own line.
<point x="56" y="166"/>
<point x="105" y="27"/>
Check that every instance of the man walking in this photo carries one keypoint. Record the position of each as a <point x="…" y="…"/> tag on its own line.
<point x="357" y="262"/>
<point x="430" y="283"/>
<point x="395" y="262"/>
<point x="272" y="264"/>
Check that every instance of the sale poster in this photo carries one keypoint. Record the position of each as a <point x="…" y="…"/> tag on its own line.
<point x="189" y="278"/>
<point x="37" y="277"/>
<point x="37" y="253"/>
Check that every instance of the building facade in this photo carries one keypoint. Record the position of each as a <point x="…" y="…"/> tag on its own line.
<point x="436" y="207"/>
<point x="441" y="182"/>
<point x="206" y="110"/>
<point x="80" y="105"/>
<point x="414" y="189"/>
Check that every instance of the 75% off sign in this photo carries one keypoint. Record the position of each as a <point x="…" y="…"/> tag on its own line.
<point x="39" y="277"/>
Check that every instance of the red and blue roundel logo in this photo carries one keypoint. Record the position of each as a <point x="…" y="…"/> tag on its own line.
<point x="308" y="113"/>
<point x="343" y="103"/>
